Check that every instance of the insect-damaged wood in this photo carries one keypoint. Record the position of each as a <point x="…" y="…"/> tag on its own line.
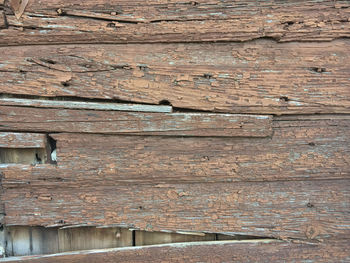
<point x="268" y="251"/>
<point x="260" y="77"/>
<point x="176" y="21"/>
<point x="120" y="122"/>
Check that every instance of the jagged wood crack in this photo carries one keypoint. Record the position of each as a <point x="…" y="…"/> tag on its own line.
<point x="35" y="240"/>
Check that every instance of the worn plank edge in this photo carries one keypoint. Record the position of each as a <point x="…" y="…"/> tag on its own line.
<point x="85" y="105"/>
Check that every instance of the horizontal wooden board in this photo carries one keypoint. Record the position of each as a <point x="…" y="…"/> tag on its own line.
<point x="307" y="210"/>
<point x="122" y="21"/>
<point x="260" y="77"/>
<point x="265" y="251"/>
<point x="87" y="105"/>
<point x="121" y="122"/>
<point x="300" y="149"/>
<point x="22" y="140"/>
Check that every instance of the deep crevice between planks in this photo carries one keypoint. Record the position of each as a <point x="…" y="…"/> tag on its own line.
<point x="38" y="240"/>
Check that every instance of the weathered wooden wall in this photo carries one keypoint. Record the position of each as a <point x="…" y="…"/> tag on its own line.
<point x="175" y="121"/>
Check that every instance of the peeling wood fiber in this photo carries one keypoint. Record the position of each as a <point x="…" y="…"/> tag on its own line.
<point x="122" y="21"/>
<point x="260" y="77"/>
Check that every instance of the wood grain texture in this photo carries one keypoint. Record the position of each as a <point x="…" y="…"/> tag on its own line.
<point x="121" y="122"/>
<point x="260" y="77"/>
<point x="24" y="240"/>
<point x="122" y="21"/>
<point x="22" y="140"/>
<point x="314" y="210"/>
<point x="213" y="252"/>
<point x="65" y="104"/>
<point x="298" y="149"/>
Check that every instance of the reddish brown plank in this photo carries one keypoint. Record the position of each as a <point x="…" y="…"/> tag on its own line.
<point x="299" y="149"/>
<point x="22" y="140"/>
<point x="264" y="251"/>
<point x="259" y="77"/>
<point x="122" y="21"/>
<point x="121" y="122"/>
<point x="313" y="210"/>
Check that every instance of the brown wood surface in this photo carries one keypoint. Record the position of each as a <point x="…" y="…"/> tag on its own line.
<point x="22" y="140"/>
<point x="299" y="149"/>
<point x="213" y="252"/>
<point x="121" y="21"/>
<point x="314" y="210"/>
<point x="121" y="122"/>
<point x="260" y="77"/>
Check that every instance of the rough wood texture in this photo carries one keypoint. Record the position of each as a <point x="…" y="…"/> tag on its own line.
<point x="120" y="122"/>
<point x="213" y="252"/>
<point x="22" y="140"/>
<point x="290" y="209"/>
<point x="259" y="77"/>
<point x="299" y="149"/>
<point x="121" y="21"/>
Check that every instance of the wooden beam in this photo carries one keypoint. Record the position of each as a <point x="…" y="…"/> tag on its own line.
<point x="260" y="77"/>
<point x="305" y="210"/>
<point x="176" y="21"/>
<point x="219" y="251"/>
<point x="141" y="123"/>
<point x="305" y="148"/>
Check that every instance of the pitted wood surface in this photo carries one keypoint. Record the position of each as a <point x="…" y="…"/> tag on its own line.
<point x="260" y="77"/>
<point x="121" y="21"/>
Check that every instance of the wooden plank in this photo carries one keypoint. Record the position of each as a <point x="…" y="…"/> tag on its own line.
<point x="263" y="251"/>
<point x="305" y="210"/>
<point x="144" y="238"/>
<point x="82" y="238"/>
<point x="300" y="149"/>
<point x="120" y="122"/>
<point x="23" y="240"/>
<point x="229" y="251"/>
<point x="85" y="105"/>
<point x="176" y="21"/>
<point x="22" y="140"/>
<point x="260" y="77"/>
